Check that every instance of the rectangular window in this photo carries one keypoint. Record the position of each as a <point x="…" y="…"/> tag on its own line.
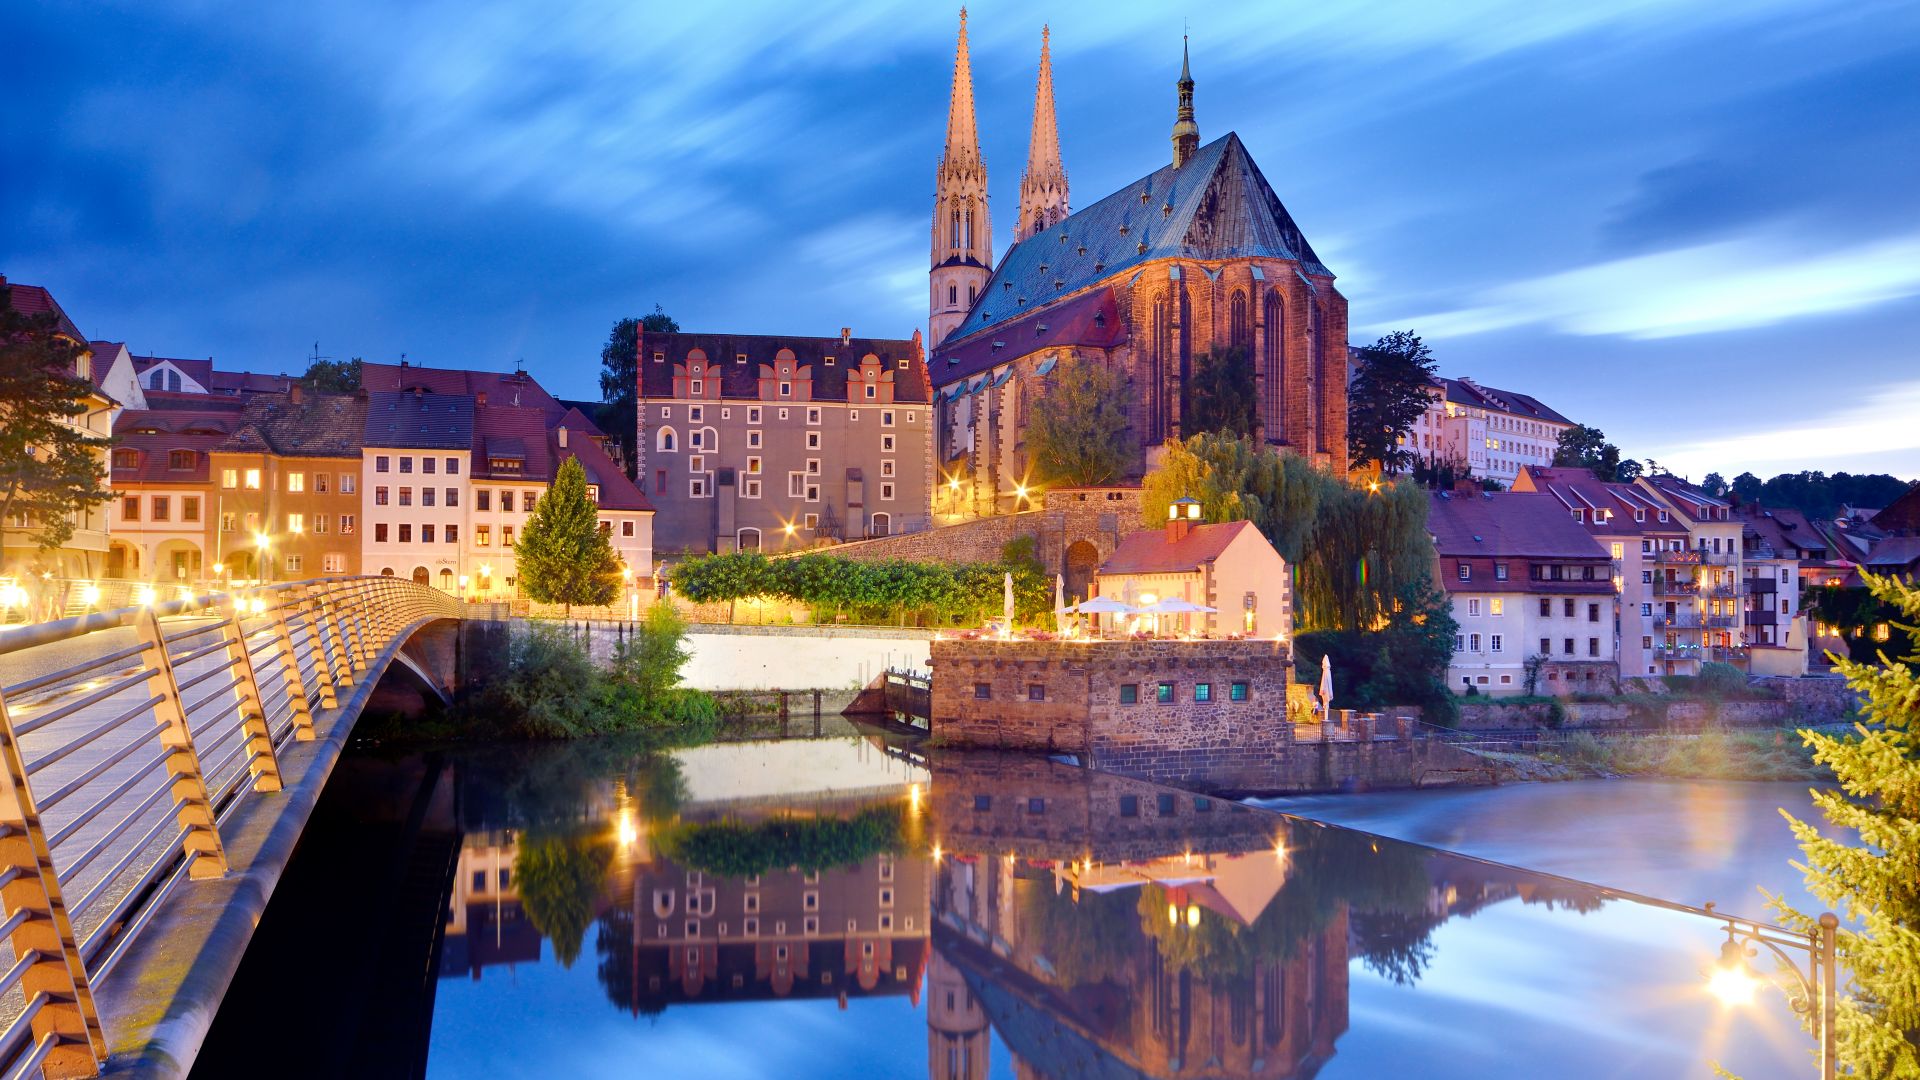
<point x="379" y="496"/>
<point x="1566" y="608"/>
<point x="348" y="483"/>
<point x="506" y="502"/>
<point x="296" y="481"/>
<point x="1473" y="642"/>
<point x="1466" y="572"/>
<point x="626" y="530"/>
<point x="381" y="462"/>
<point x="1129" y="806"/>
<point x="453" y="497"/>
<point x="296" y="523"/>
<point x="426" y="496"/>
<point x="320" y="523"/>
<point x="406" y="496"/>
<point x="1568" y="643"/>
<point x="1163" y="693"/>
<point x="253" y="479"/>
<point x="1593" y="612"/>
<point x="295" y="562"/>
<point x="886" y="417"/>
<point x="886" y="441"/>
<point x="320" y="482"/>
<point x="483" y="499"/>
<point x="1473" y="606"/>
<point x="130" y="508"/>
<point x="982" y="691"/>
<point x="1546" y="646"/>
<point x="813" y="416"/>
<point x="1239" y="691"/>
<point x="506" y="538"/>
<point x="346" y="523"/>
<point x="1593" y="646"/>
<point x="333" y="563"/>
<point x="886" y="467"/>
<point x="1494" y="642"/>
<point x="1036" y="692"/>
<point x="886" y="492"/>
<point x="813" y="440"/>
<point x="1646" y="609"/>
<point x="426" y="533"/>
<point x="1203" y="692"/>
<point x="453" y="534"/>
<point x="189" y="508"/>
<point x="750" y="489"/>
<point x="379" y="532"/>
<point x="406" y="534"/>
<point x="753" y="440"/>
<point x="1129" y="693"/>
<point x="1499" y="571"/>
<point x="1497" y="606"/>
<point x="527" y="499"/>
<point x="753" y="414"/>
<point x="483" y="536"/>
<point x="406" y="464"/>
<point x="229" y="478"/>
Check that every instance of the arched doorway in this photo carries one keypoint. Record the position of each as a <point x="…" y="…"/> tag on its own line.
<point x="1083" y="558"/>
<point x="446" y="579"/>
<point x="420" y="575"/>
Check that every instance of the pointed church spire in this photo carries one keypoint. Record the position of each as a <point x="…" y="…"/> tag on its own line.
<point x="962" y="249"/>
<point x="1043" y="190"/>
<point x="963" y="141"/>
<point x="1186" y="133"/>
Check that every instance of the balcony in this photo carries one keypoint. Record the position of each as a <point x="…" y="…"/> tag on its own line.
<point x="1722" y="622"/>
<point x="1762" y="586"/>
<point x="1663" y="587"/>
<point x="1732" y="588"/>
<point x="1685" y="620"/>
<point x="1694" y="557"/>
<point x="1763" y="617"/>
<point x="1677" y="652"/>
<point x="1728" y="654"/>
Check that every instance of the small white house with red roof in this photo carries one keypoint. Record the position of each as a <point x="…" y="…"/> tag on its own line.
<point x="1229" y="567"/>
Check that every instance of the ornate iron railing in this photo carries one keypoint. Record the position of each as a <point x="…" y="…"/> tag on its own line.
<point x="127" y="738"/>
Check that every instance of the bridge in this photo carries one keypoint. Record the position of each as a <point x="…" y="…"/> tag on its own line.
<point x="159" y="763"/>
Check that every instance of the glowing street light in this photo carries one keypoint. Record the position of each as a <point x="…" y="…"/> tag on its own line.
<point x="1733" y="982"/>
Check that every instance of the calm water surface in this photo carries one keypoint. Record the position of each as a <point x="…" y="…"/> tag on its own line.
<point x="835" y="908"/>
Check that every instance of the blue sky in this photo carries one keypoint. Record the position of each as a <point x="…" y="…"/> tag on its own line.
<point x="1695" y="225"/>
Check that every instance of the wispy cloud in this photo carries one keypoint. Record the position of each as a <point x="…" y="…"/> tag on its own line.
<point x="1732" y="285"/>
<point x="1880" y="430"/>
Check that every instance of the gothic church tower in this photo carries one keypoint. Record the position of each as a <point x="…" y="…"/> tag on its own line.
<point x="962" y="255"/>
<point x="1043" y="190"/>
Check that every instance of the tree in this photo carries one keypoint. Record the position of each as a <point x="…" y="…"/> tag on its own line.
<point x="332" y="376"/>
<point x="564" y="557"/>
<point x="1714" y="485"/>
<point x="1629" y="471"/>
<point x="1747" y="486"/>
<point x="1584" y="447"/>
<point x="1222" y="396"/>
<point x="1390" y="391"/>
<point x="560" y="879"/>
<point x="1077" y="430"/>
<point x="50" y="470"/>
<point x="1872" y="879"/>
<point x="620" y="378"/>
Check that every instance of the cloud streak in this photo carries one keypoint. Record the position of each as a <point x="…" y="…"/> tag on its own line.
<point x="1709" y="288"/>
<point x="1882" y="427"/>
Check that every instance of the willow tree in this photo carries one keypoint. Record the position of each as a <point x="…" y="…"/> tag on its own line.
<point x="1870" y="872"/>
<point x="1239" y="480"/>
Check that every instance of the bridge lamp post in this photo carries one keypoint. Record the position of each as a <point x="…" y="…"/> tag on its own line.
<point x="263" y="543"/>
<point x="633" y="598"/>
<point x="1734" y="983"/>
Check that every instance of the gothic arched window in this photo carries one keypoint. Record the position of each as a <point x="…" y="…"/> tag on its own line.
<point x="1162" y="352"/>
<point x="666" y="441"/>
<point x="955" y="242"/>
<point x="966" y="234"/>
<point x="953" y="295"/>
<point x="1273" y="365"/>
<point x="1238" y="332"/>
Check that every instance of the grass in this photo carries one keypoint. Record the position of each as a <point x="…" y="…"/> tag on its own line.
<point x="1715" y="755"/>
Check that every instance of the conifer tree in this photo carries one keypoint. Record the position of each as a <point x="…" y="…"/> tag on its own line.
<point x="1872" y="877"/>
<point x="563" y="557"/>
<point x="50" y="469"/>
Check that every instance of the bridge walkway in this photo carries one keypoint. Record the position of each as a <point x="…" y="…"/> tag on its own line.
<point x="156" y="766"/>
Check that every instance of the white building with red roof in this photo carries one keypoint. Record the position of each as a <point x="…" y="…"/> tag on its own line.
<point x="1230" y="567"/>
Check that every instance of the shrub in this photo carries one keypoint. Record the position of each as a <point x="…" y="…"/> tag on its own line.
<point x="735" y="849"/>
<point x="1719" y="680"/>
<point x="548" y="687"/>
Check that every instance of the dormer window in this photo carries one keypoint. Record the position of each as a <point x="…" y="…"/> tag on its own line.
<point x="501" y="465"/>
<point x="126" y="459"/>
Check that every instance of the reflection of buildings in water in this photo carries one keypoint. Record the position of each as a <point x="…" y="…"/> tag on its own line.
<point x="485" y="923"/>
<point x="838" y="932"/>
<point x="1109" y="927"/>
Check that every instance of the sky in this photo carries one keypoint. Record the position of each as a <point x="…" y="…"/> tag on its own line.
<point x="1693" y="225"/>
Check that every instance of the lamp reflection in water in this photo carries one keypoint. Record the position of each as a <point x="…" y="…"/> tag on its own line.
<point x="1814" y="993"/>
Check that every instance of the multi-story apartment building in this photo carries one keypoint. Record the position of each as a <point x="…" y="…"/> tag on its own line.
<point x="1707" y="572"/>
<point x="84" y="554"/>
<point x="413" y="481"/>
<point x="301" y="518"/>
<point x="1639" y="534"/>
<point x="1484" y="432"/>
<point x="1533" y="593"/>
<point x="164" y="501"/>
<point x="767" y="442"/>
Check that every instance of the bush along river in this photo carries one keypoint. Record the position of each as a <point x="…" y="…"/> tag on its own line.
<point x="847" y="907"/>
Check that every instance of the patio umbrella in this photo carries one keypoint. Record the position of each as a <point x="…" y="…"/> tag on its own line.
<point x="1326" y="688"/>
<point x="1174" y="605"/>
<point x="1007" y="602"/>
<point x="1059" y="602"/>
<point x="1105" y="605"/>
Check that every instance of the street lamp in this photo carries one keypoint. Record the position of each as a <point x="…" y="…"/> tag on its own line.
<point x="1734" y="983"/>
<point x="260" y="541"/>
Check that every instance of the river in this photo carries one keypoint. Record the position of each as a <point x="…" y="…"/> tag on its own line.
<point x="843" y="907"/>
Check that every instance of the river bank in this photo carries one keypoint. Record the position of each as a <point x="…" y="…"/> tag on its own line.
<point x="1714" y="754"/>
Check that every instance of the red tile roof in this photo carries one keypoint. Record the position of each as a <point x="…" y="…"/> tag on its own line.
<point x="1508" y="523"/>
<point x="1578" y="489"/>
<point x="152" y="435"/>
<point x="1149" y="552"/>
<point x="1092" y="320"/>
<point x="36" y="300"/>
<point x="513" y="389"/>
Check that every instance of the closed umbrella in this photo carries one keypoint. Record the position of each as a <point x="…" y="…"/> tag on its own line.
<point x="1007" y="602"/>
<point x="1326" y="687"/>
<point x="1059" y="602"/>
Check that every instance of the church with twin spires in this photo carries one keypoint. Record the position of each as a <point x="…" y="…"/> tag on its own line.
<point x="1197" y="255"/>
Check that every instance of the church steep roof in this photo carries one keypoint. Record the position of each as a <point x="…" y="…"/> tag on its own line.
<point x="1216" y="206"/>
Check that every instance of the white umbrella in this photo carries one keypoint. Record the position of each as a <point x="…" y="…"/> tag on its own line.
<point x="1059" y="602"/>
<point x="1174" y="605"/>
<point x="1326" y="687"/>
<point x="1104" y="605"/>
<point x="1007" y="601"/>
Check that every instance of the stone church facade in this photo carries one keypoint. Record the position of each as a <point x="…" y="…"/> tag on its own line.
<point x="1195" y="256"/>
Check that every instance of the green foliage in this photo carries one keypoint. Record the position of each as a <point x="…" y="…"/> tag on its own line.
<point x="548" y="687"/>
<point x="736" y="849"/>
<point x="1872" y="877"/>
<point x="332" y="376"/>
<point x="1717" y="680"/>
<point x="1237" y="480"/>
<point x="1077" y="430"/>
<point x="559" y="880"/>
<point x="1404" y="663"/>
<point x="1714" y="485"/>
<point x="620" y="379"/>
<point x="1858" y="614"/>
<point x="1583" y="447"/>
<point x="881" y="591"/>
<point x="1818" y="494"/>
<point x="1220" y="395"/>
<point x="564" y="557"/>
<point x="1087" y="939"/>
<point x="49" y="470"/>
<point x="1391" y="388"/>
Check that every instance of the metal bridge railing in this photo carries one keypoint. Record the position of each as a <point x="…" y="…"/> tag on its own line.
<point x="127" y="738"/>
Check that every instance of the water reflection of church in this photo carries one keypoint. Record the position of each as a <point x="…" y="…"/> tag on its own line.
<point x="1147" y="944"/>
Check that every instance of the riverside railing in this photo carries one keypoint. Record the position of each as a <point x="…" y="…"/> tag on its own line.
<point x="127" y="739"/>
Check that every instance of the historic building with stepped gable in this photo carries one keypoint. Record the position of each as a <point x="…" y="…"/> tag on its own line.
<point x="1195" y="256"/>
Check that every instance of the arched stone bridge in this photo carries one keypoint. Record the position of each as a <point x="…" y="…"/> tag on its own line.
<point x="159" y="765"/>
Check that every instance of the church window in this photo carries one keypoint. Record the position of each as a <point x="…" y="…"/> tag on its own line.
<point x="955" y="243"/>
<point x="972" y="292"/>
<point x="953" y="294"/>
<point x="1238" y="332"/>
<point x="1273" y="367"/>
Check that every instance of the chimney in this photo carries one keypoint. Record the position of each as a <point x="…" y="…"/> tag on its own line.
<point x="846" y="335"/>
<point x="1182" y="516"/>
<point x="562" y="436"/>
<point x="480" y="399"/>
